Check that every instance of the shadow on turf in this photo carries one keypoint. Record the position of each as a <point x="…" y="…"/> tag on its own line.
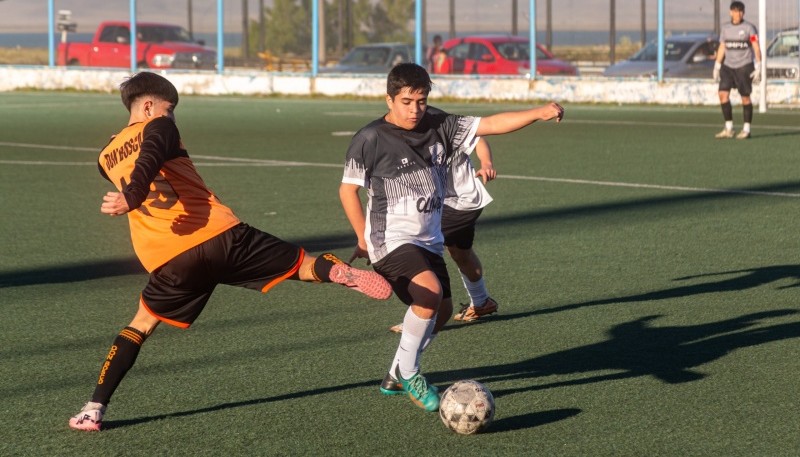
<point x="509" y="424"/>
<point x="635" y="349"/>
<point x="740" y="280"/>
<point x="108" y="268"/>
<point x="86" y="271"/>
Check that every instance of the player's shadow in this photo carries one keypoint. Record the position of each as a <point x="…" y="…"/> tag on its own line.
<point x="731" y="281"/>
<point x="82" y="271"/>
<point x="672" y="354"/>
<point x="633" y="349"/>
<point x="523" y="421"/>
<point x="72" y="272"/>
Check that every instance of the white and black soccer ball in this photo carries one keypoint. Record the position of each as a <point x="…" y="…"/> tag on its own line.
<point x="466" y="407"/>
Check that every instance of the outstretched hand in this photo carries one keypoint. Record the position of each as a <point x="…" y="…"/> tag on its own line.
<point x="114" y="204"/>
<point x="553" y="111"/>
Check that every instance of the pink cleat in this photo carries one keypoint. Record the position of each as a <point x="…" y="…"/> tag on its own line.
<point x="368" y="283"/>
<point x="90" y="419"/>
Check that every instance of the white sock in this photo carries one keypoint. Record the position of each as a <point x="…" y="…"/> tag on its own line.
<point x="746" y="127"/>
<point x="728" y="125"/>
<point x="425" y="345"/>
<point x="428" y="340"/>
<point x="415" y="332"/>
<point x="476" y="290"/>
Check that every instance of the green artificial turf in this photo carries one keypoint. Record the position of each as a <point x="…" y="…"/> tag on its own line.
<point x="646" y="273"/>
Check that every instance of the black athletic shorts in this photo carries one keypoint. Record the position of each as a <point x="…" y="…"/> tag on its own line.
<point x="458" y="227"/>
<point x="240" y="256"/>
<point x="738" y="78"/>
<point x="407" y="261"/>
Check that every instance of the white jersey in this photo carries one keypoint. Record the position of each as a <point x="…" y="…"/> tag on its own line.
<point x="465" y="191"/>
<point x="405" y="173"/>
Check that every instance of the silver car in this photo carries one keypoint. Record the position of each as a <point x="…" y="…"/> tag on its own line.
<point x="372" y="58"/>
<point x="783" y="60"/>
<point x="685" y="56"/>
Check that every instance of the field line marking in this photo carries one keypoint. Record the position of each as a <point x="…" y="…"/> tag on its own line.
<point x="650" y="186"/>
<point x="48" y="146"/>
<point x="234" y="161"/>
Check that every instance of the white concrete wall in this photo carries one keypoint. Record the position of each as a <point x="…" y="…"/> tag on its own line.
<point x="574" y="90"/>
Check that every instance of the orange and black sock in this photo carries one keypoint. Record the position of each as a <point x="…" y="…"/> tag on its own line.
<point x="119" y="360"/>
<point x="321" y="269"/>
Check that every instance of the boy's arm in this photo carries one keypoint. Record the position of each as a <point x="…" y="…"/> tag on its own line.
<point x="484" y="153"/>
<point x="510" y="121"/>
<point x="351" y="203"/>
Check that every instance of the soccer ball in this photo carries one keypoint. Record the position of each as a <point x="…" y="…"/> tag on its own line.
<point x="466" y="407"/>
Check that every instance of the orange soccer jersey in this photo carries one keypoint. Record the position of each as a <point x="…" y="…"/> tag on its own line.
<point x="172" y="210"/>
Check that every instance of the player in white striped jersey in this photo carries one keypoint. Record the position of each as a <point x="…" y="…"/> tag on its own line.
<point x="402" y="159"/>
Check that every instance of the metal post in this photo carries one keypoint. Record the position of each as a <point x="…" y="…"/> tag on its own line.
<point x="452" y="19"/>
<point x="321" y="46"/>
<point x="220" y="38"/>
<point x="660" y="41"/>
<point x="134" y="51"/>
<point x="190" y="18"/>
<point x="532" y="37"/>
<point x="314" y="38"/>
<point x="262" y="30"/>
<point x="643" y="34"/>
<point x="514" y="15"/>
<point x="762" y="43"/>
<point x="51" y="30"/>
<point x="612" y="33"/>
<point x="420" y="58"/>
<point x="717" y="25"/>
<point x="549" y="30"/>
<point x="245" y="30"/>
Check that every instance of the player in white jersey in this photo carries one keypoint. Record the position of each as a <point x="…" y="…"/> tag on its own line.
<point x="734" y="68"/>
<point x="402" y="159"/>
<point x="465" y="199"/>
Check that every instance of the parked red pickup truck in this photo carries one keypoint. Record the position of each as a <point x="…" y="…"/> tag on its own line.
<point x="157" y="46"/>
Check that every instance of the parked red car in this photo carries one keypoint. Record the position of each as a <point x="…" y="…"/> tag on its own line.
<point x="499" y="55"/>
<point x="158" y="46"/>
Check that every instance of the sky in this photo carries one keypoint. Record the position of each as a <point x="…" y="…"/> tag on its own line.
<point x="18" y="16"/>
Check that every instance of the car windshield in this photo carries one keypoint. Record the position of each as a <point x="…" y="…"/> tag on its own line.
<point x="514" y="50"/>
<point x="784" y="46"/>
<point x="673" y="51"/>
<point x="161" y="33"/>
<point x="366" y="56"/>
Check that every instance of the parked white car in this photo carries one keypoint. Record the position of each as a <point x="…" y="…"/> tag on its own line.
<point x="783" y="57"/>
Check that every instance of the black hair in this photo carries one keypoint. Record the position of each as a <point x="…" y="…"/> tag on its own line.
<point x="410" y="75"/>
<point x="738" y="6"/>
<point x="147" y="83"/>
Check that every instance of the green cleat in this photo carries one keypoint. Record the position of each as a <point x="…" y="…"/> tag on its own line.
<point x="424" y="395"/>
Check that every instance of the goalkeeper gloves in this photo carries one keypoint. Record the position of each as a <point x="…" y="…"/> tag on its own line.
<point x="717" y="67"/>
<point x="756" y="74"/>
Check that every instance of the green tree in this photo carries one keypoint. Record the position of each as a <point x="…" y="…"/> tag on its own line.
<point x="288" y="24"/>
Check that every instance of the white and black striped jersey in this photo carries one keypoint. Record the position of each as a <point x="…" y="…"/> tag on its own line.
<point x="405" y="174"/>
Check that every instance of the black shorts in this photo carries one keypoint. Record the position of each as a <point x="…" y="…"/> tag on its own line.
<point x="240" y="256"/>
<point x="458" y="227"/>
<point x="407" y="261"/>
<point x="738" y="78"/>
